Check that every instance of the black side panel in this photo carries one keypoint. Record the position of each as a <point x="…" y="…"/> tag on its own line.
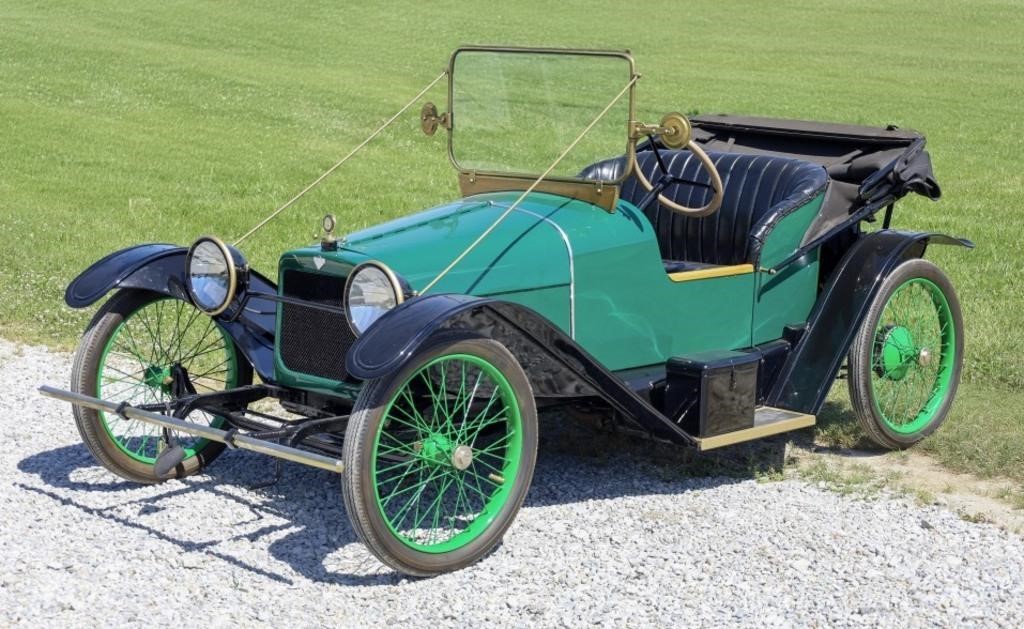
<point x="160" y="268"/>
<point x="811" y="367"/>
<point x="555" y="364"/>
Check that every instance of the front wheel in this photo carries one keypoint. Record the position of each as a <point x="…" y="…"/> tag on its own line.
<point x="439" y="456"/>
<point x="130" y="353"/>
<point x="904" y="364"/>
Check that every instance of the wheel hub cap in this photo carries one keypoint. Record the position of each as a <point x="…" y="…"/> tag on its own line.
<point x="898" y="352"/>
<point x="157" y="377"/>
<point x="436" y="449"/>
<point x="462" y="457"/>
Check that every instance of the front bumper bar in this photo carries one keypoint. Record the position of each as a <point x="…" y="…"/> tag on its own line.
<point x="245" y="442"/>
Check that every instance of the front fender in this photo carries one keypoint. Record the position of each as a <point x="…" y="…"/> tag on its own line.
<point x="812" y="365"/>
<point x="160" y="268"/>
<point x="556" y="366"/>
<point x="151" y="267"/>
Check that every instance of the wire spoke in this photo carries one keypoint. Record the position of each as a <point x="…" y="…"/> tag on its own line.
<point x="915" y="320"/>
<point x="428" y="497"/>
<point x="165" y="327"/>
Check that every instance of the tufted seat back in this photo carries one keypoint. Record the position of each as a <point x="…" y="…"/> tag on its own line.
<point x="760" y="190"/>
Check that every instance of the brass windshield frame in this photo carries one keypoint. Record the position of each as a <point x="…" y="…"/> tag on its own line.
<point x="604" y="192"/>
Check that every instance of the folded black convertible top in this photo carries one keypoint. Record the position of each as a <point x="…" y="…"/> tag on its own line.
<point x="806" y="127"/>
<point x="869" y="168"/>
<point x="870" y="164"/>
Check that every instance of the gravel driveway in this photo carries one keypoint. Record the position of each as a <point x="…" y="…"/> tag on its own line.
<point x="602" y="539"/>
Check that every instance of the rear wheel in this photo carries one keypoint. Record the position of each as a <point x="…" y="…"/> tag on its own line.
<point x="905" y="362"/>
<point x="129" y="354"/>
<point x="439" y="456"/>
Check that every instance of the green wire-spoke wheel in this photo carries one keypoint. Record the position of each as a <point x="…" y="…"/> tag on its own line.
<point x="439" y="456"/>
<point x="905" y="361"/>
<point x="132" y="350"/>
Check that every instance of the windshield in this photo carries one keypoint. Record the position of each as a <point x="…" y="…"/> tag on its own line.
<point x="514" y="111"/>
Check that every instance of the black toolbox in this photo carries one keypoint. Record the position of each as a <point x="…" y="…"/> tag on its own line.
<point x="712" y="393"/>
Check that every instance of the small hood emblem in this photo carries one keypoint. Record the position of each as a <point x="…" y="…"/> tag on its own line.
<point x="319" y="262"/>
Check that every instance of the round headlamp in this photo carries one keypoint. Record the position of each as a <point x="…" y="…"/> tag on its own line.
<point x="371" y="290"/>
<point x="214" y="270"/>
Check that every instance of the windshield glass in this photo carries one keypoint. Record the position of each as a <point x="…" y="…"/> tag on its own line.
<point x="515" y="112"/>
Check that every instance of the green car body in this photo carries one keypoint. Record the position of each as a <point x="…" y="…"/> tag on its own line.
<point x="597" y="275"/>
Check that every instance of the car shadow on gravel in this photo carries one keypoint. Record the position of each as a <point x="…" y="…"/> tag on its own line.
<point x="301" y="520"/>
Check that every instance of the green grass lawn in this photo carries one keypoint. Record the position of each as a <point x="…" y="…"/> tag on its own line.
<point x="144" y="121"/>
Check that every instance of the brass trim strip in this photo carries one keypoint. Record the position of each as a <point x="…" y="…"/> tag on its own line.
<point x="602" y="195"/>
<point x="717" y="271"/>
<point x="207" y="432"/>
<point x="757" y="432"/>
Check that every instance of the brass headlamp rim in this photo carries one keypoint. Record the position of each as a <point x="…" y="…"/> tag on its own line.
<point x="233" y="273"/>
<point x="397" y="286"/>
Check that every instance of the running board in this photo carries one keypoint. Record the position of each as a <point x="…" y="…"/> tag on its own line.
<point x="237" y="440"/>
<point x="768" y="421"/>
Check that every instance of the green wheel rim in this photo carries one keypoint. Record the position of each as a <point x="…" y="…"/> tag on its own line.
<point x="913" y="356"/>
<point x="136" y="363"/>
<point x="447" y="453"/>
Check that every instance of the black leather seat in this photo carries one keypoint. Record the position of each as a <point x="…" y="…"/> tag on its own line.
<point x="760" y="190"/>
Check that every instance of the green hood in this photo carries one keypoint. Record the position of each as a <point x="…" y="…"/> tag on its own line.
<point x="526" y="251"/>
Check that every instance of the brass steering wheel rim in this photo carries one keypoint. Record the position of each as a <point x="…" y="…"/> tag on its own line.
<point x="716" y="184"/>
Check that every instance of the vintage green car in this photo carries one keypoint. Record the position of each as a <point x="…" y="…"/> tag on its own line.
<point x="697" y="281"/>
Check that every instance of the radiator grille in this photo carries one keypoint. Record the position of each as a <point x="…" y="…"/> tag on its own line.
<point x="314" y="341"/>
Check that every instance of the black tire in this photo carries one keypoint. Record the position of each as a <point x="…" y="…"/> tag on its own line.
<point x="85" y="379"/>
<point x="926" y="406"/>
<point x="366" y="510"/>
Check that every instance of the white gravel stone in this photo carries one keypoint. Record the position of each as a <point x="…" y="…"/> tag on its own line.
<point x="600" y="541"/>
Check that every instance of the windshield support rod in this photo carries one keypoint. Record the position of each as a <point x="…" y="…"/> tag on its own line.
<point x="330" y="170"/>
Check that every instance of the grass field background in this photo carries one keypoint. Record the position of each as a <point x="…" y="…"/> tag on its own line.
<point x="144" y="121"/>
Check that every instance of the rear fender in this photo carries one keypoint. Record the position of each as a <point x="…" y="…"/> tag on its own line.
<point x="160" y="268"/>
<point x="811" y="367"/>
<point x="556" y="366"/>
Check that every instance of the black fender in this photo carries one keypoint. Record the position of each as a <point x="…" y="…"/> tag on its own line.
<point x="812" y="365"/>
<point x="556" y="366"/>
<point x="160" y="268"/>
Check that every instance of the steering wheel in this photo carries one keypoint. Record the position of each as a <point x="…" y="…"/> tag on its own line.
<point x="675" y="133"/>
